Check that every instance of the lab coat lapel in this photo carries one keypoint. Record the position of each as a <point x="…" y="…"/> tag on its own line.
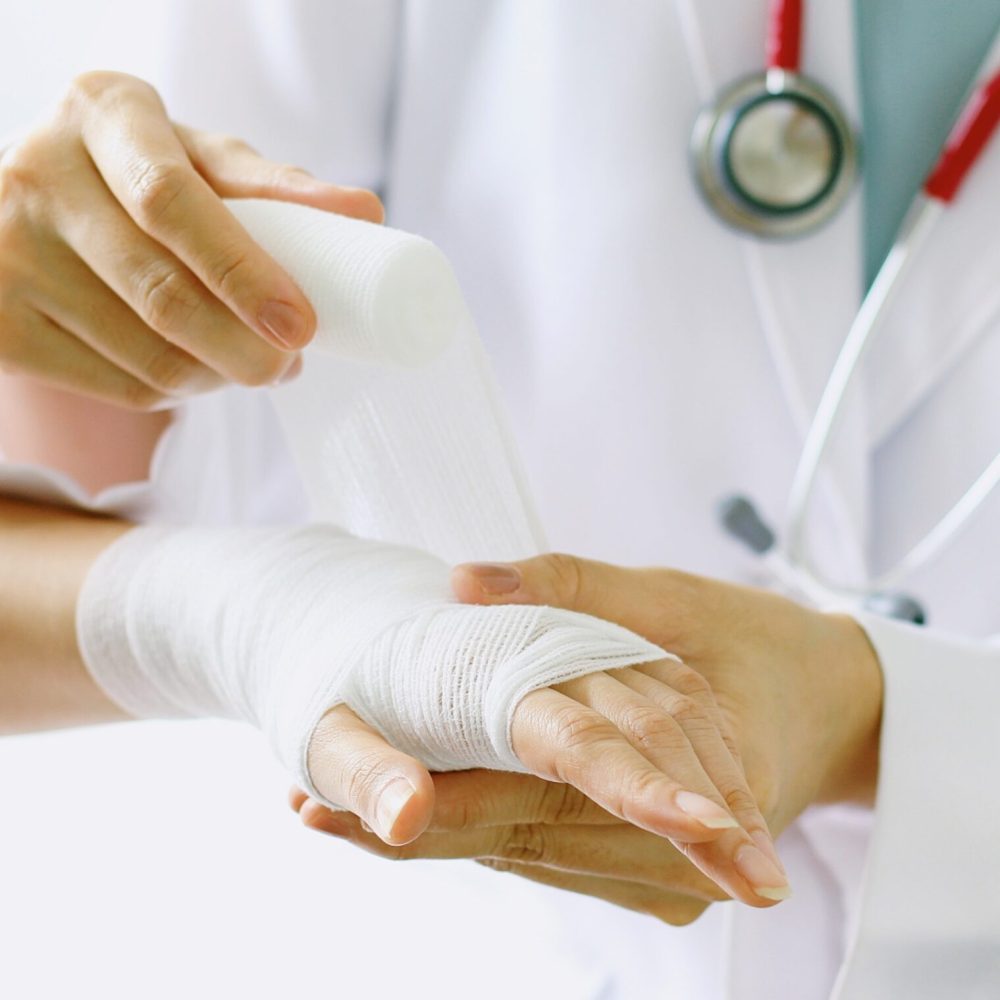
<point x="948" y="300"/>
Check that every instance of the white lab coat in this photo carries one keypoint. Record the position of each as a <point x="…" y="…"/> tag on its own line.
<point x="653" y="361"/>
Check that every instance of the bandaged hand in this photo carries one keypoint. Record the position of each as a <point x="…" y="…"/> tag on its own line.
<point x="279" y="627"/>
<point x="800" y="693"/>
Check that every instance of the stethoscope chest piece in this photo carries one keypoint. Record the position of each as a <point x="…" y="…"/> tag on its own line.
<point x="774" y="155"/>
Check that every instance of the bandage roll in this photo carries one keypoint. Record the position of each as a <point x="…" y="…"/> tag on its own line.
<point x="380" y="295"/>
<point x="395" y="422"/>
<point x="396" y="428"/>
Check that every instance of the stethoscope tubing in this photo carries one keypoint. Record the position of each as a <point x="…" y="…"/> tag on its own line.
<point x="790" y="561"/>
<point x="966" y="143"/>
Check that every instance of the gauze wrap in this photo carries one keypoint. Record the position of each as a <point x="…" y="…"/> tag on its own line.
<point x="397" y="431"/>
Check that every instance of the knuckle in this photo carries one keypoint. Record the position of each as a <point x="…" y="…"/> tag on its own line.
<point x="575" y="729"/>
<point x="94" y="84"/>
<point x="153" y="187"/>
<point x="171" y="370"/>
<point x="740" y="801"/>
<point x="566" y="576"/>
<point x="690" y="683"/>
<point x="458" y="815"/>
<point x="167" y="297"/>
<point x="20" y="169"/>
<point x="360" y="778"/>
<point x="579" y="739"/>
<point x="524" y="843"/>
<point x="226" y="271"/>
<point x="639" y="786"/>
<point x="562" y="804"/>
<point x="647" y="728"/>
<point x="684" y="709"/>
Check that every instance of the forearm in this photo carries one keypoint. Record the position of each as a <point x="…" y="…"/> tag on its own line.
<point x="44" y="556"/>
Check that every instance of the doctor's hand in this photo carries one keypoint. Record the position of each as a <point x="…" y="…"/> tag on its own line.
<point x="800" y="691"/>
<point x="542" y="831"/>
<point x="123" y="276"/>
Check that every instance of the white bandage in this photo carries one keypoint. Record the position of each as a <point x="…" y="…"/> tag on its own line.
<point x="400" y="440"/>
<point x="276" y="626"/>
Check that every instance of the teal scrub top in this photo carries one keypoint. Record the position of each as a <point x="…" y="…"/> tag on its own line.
<point x="917" y="60"/>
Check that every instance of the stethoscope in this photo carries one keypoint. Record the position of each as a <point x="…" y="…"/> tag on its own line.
<point x="775" y="156"/>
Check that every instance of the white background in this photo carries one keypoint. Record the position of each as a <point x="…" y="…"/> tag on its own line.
<point x="156" y="860"/>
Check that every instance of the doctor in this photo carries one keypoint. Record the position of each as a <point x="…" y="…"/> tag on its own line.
<point x="670" y="362"/>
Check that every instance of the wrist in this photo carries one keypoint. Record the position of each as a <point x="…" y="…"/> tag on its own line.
<point x="853" y="714"/>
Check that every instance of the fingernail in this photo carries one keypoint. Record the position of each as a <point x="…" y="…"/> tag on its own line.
<point x="284" y="323"/>
<point x="705" y="811"/>
<point x="291" y="372"/>
<point x="496" y="578"/>
<point x="391" y="803"/>
<point x="762" y="874"/>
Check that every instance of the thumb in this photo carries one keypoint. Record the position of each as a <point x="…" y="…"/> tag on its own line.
<point x="352" y="765"/>
<point x="632" y="598"/>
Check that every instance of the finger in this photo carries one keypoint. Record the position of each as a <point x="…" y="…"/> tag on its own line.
<point x="622" y="851"/>
<point x="80" y="303"/>
<point x="704" y="764"/>
<point x="688" y="681"/>
<point x="560" y="856"/>
<point x="471" y="799"/>
<point x="143" y="162"/>
<point x="163" y="293"/>
<point x="669" y="907"/>
<point x="672" y="686"/>
<point x="236" y="170"/>
<point x="664" y="605"/>
<point x="39" y="348"/>
<point x="582" y="747"/>
<point x="352" y="765"/>
<point x="297" y="798"/>
<point x="747" y="868"/>
<point x="661" y="738"/>
<point x="561" y="739"/>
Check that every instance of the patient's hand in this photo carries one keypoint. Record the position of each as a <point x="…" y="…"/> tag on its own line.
<point x="647" y="743"/>
<point x="800" y="692"/>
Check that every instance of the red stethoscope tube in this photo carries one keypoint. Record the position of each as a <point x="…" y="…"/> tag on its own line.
<point x="969" y="137"/>
<point x="784" y="35"/>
